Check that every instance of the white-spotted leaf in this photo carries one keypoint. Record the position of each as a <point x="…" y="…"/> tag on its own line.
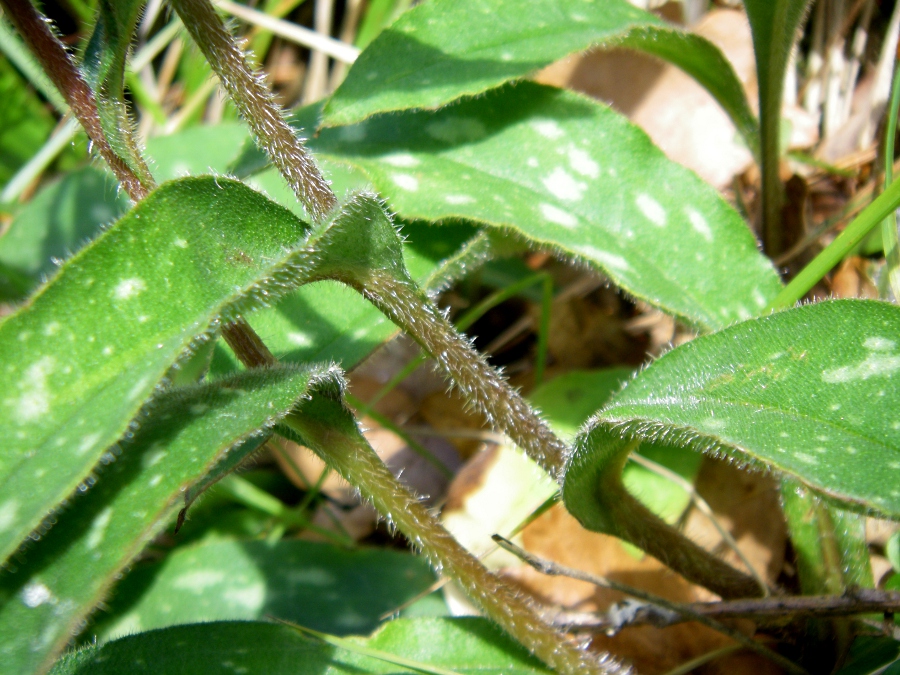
<point x="809" y="392"/>
<point x="569" y="174"/>
<point x="53" y="584"/>
<point x="444" y="50"/>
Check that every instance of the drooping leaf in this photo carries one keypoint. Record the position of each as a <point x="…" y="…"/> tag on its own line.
<point x="568" y="401"/>
<point x="440" y="52"/>
<point x="568" y="174"/>
<point x="184" y="433"/>
<point x="466" y="645"/>
<point x="76" y="379"/>
<point x="321" y="586"/>
<point x="809" y="392"/>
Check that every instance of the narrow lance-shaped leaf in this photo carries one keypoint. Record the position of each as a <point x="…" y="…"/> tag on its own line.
<point x="185" y="433"/>
<point x="147" y="288"/>
<point x="444" y="50"/>
<point x="809" y="392"/>
<point x="568" y="174"/>
<point x="773" y="24"/>
<point x="104" y="66"/>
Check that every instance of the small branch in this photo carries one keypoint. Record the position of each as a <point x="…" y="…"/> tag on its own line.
<point x="254" y="101"/>
<point x="247" y="345"/>
<point x="765" y="611"/>
<point x="664" y="608"/>
<point x="66" y="77"/>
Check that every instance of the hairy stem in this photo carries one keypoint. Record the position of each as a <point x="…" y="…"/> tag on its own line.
<point x="254" y="101"/>
<point x="65" y="75"/>
<point x="503" y="407"/>
<point x="344" y="449"/>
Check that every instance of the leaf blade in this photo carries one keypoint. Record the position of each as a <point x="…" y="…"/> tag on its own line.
<point x="436" y="53"/>
<point x="788" y="391"/>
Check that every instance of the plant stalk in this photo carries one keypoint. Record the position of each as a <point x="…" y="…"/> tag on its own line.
<point x="502" y="406"/>
<point x="66" y="77"/>
<point x="348" y="452"/>
<point x="254" y="101"/>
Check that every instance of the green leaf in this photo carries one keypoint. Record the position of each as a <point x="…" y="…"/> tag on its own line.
<point x="444" y="50"/>
<point x="467" y="645"/>
<point x="331" y="589"/>
<point x="773" y="24"/>
<point x="568" y="401"/>
<point x="829" y="543"/>
<point x="58" y="221"/>
<point x="77" y="378"/>
<point x="104" y="67"/>
<point x="183" y="433"/>
<point x="570" y="175"/>
<point x="809" y="392"/>
<point x="25" y="122"/>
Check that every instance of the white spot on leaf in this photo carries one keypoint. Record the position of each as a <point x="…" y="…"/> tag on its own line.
<point x="299" y="339"/>
<point x="563" y="186"/>
<point x="456" y="129"/>
<point x="34" y="594"/>
<point x="98" y="528"/>
<point x="698" y="222"/>
<point x="583" y="163"/>
<point x="806" y="458"/>
<point x="652" y="209"/>
<point x="605" y="258"/>
<point x="405" y="181"/>
<point x="879" y="344"/>
<point x="548" y="129"/>
<point x="34" y="401"/>
<point x="558" y="216"/>
<point x="180" y="243"/>
<point x="129" y="288"/>
<point x="459" y="199"/>
<point x="8" y="513"/>
<point x="874" y="365"/>
<point x="401" y="159"/>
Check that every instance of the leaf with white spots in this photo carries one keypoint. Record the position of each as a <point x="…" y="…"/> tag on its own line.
<point x="462" y="645"/>
<point x="570" y="175"/>
<point x="810" y="392"/>
<point x="444" y="50"/>
<point x="53" y="584"/>
<point x="144" y="291"/>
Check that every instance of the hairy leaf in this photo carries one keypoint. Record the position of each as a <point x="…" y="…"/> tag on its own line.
<point x="318" y="585"/>
<point x="448" y="49"/>
<point x="809" y="392"/>
<point x="568" y="401"/>
<point x="144" y="290"/>
<point x="568" y="174"/>
<point x="466" y="645"/>
<point x="182" y="435"/>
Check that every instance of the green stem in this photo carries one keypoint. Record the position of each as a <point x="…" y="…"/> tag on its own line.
<point x="64" y="74"/>
<point x="854" y="233"/>
<point x="889" y="225"/>
<point x="475" y="313"/>
<point x="503" y="407"/>
<point x="342" y="446"/>
<point x="256" y="106"/>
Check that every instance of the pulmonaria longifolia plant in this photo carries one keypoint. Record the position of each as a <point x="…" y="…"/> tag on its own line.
<point x="103" y="440"/>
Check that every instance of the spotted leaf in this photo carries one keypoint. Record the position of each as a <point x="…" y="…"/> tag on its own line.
<point x="809" y="392"/>
<point x="436" y="53"/>
<point x="183" y="434"/>
<point x="568" y="174"/>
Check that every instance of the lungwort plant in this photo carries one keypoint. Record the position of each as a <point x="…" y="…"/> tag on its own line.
<point x="112" y="419"/>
